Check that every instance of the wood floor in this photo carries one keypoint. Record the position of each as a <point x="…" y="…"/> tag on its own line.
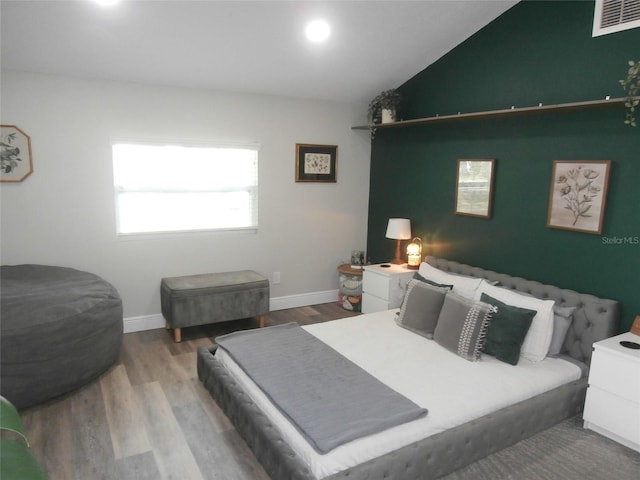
<point x="148" y="417"/>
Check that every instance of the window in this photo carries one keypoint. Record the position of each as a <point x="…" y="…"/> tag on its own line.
<point x="169" y="188"/>
<point x="615" y="15"/>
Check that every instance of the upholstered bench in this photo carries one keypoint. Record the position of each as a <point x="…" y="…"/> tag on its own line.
<point x="213" y="297"/>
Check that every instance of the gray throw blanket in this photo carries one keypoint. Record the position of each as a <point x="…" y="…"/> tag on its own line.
<point x="328" y="398"/>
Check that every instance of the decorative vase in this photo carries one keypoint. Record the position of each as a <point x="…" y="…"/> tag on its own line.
<point x="388" y="115"/>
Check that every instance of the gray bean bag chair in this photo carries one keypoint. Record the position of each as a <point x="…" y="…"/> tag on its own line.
<point x="60" y="328"/>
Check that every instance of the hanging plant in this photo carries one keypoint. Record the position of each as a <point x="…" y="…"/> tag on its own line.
<point x="631" y="85"/>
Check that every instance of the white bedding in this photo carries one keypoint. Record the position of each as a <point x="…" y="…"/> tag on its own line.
<point x="454" y="390"/>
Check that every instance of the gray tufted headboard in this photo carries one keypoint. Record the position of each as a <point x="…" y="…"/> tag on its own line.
<point x="594" y="318"/>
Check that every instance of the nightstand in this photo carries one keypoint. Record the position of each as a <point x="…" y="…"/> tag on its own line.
<point x="383" y="288"/>
<point x="612" y="407"/>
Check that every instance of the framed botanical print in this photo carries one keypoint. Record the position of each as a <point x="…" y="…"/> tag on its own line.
<point x="578" y="195"/>
<point x="15" y="154"/>
<point x="316" y="163"/>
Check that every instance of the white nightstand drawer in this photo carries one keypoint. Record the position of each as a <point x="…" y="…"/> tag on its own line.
<point x="375" y="284"/>
<point x="372" y="304"/>
<point x="612" y="413"/>
<point x="384" y="286"/>
<point x="616" y="374"/>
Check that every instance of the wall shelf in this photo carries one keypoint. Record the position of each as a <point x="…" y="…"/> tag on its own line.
<point x="560" y="107"/>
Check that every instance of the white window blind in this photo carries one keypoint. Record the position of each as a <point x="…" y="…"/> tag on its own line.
<point x="615" y="15"/>
<point x="170" y="188"/>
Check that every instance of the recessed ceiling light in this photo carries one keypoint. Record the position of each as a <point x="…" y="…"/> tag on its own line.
<point x="106" y="3"/>
<point x="318" y="31"/>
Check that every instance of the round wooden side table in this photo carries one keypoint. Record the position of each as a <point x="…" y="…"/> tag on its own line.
<point x="350" y="285"/>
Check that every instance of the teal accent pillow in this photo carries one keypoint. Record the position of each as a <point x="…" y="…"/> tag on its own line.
<point x="507" y="330"/>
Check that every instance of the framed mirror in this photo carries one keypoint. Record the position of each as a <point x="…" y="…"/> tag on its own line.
<point x="474" y="187"/>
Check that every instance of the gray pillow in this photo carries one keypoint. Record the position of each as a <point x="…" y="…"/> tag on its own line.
<point x="462" y="326"/>
<point x="421" y="307"/>
<point x="562" y="318"/>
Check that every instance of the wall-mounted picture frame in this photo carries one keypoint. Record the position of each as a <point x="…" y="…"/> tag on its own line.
<point x="578" y="195"/>
<point x="15" y="154"/>
<point x="316" y="163"/>
<point x="474" y="187"/>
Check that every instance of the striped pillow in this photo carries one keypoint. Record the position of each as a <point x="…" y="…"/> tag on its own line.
<point x="462" y="326"/>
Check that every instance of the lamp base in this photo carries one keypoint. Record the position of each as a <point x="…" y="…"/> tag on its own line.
<point x="397" y="260"/>
<point x="413" y="267"/>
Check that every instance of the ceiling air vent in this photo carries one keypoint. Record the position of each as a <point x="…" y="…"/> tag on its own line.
<point x="615" y="15"/>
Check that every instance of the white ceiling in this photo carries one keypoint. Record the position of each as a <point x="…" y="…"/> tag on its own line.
<point x="240" y="46"/>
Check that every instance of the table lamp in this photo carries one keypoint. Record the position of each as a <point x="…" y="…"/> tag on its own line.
<point x="398" y="229"/>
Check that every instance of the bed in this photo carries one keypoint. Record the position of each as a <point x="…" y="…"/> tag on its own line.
<point x="447" y="437"/>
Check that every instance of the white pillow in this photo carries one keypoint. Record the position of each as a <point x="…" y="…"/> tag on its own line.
<point x="536" y="343"/>
<point x="462" y="285"/>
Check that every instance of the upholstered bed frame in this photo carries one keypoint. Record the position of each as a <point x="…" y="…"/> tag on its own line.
<point x="440" y="454"/>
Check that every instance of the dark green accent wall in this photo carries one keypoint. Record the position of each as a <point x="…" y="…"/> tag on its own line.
<point x="535" y="52"/>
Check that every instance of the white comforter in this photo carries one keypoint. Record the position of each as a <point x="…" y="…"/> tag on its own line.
<point x="454" y="390"/>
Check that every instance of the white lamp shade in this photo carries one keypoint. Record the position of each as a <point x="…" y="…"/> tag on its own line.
<point x="399" y="229"/>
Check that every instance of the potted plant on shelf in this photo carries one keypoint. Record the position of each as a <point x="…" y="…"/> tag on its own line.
<point x="383" y="108"/>
<point x="631" y="85"/>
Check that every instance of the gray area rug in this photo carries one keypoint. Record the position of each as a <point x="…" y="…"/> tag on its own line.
<point x="563" y="452"/>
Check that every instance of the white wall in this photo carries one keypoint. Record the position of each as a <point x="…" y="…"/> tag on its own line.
<point x="63" y="213"/>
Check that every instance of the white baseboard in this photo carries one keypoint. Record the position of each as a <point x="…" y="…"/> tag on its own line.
<point x="145" y="322"/>
<point x="151" y="322"/>
<point x="303" y="300"/>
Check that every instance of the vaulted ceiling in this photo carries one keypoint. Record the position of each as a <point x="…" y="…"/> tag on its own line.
<point x="240" y="46"/>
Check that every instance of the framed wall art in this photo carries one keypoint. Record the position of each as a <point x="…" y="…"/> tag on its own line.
<point x="474" y="187"/>
<point x="578" y="195"/>
<point x="316" y="163"/>
<point x="15" y="154"/>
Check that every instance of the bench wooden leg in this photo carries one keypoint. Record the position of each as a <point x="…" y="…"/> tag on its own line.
<point x="177" y="335"/>
<point x="261" y="320"/>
